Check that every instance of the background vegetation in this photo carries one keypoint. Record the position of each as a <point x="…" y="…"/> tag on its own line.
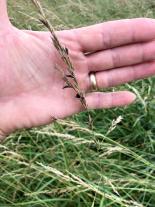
<point x="67" y="165"/>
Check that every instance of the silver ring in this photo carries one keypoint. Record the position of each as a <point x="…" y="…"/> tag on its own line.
<point x="93" y="81"/>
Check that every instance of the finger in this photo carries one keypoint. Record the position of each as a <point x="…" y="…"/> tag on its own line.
<point x="115" y="33"/>
<point x="119" y="76"/>
<point x="98" y="100"/>
<point x="2" y="136"/>
<point x="121" y="56"/>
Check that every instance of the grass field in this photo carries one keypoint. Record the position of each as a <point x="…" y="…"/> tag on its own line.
<point x="68" y="165"/>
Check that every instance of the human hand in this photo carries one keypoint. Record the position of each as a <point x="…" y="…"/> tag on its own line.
<point x="32" y="89"/>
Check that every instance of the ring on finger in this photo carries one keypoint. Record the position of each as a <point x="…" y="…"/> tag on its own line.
<point x="93" y="81"/>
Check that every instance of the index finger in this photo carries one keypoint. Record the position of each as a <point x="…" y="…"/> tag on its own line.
<point x="115" y="33"/>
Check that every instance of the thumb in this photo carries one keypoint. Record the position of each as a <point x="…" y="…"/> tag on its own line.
<point x="4" y="19"/>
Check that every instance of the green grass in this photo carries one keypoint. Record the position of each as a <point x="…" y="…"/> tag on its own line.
<point x="67" y="165"/>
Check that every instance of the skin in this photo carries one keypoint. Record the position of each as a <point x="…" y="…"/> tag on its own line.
<point x="31" y="88"/>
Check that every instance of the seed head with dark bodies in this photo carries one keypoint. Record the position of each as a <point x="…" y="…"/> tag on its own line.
<point x="69" y="78"/>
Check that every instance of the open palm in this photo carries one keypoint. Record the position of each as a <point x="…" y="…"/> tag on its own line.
<point x="31" y="88"/>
